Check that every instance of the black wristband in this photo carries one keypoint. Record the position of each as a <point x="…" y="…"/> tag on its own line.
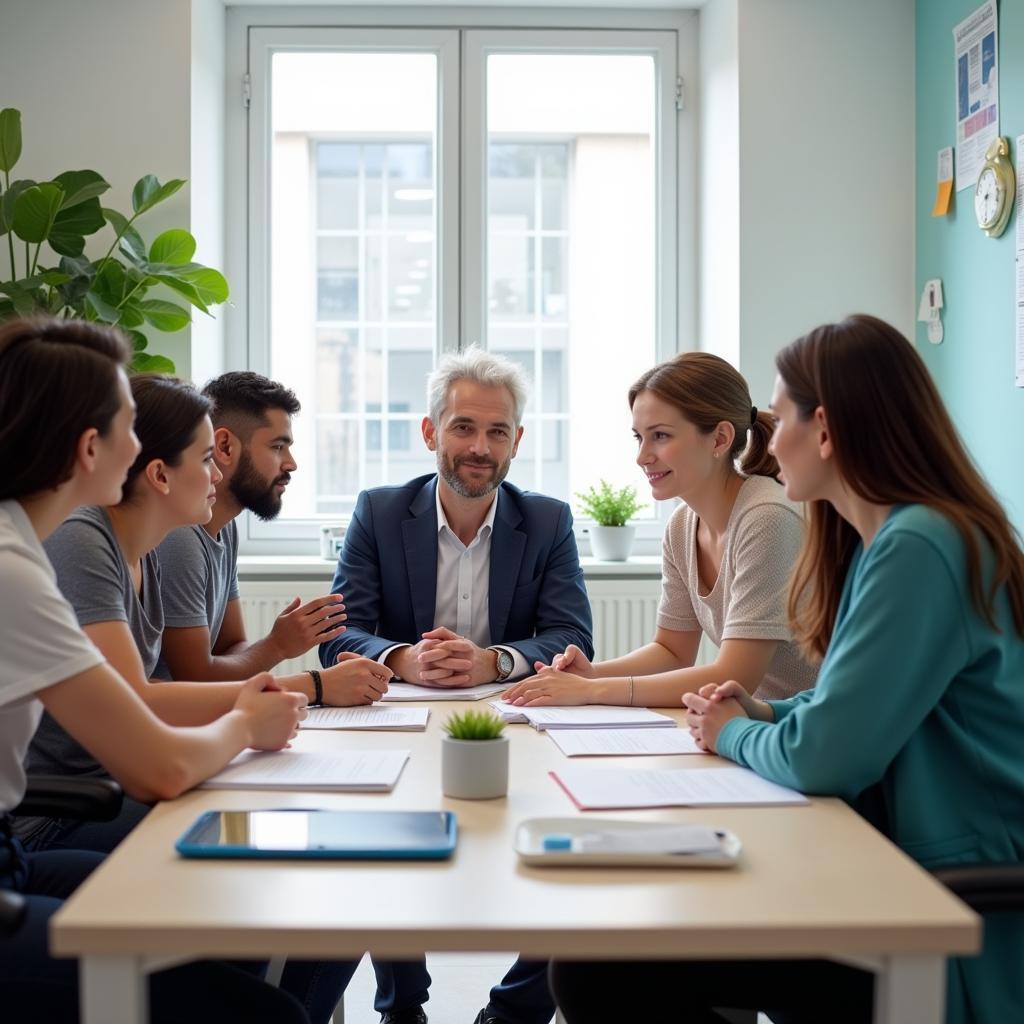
<point x="318" y="688"/>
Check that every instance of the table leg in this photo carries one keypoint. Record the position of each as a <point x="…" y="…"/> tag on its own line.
<point x="113" y="990"/>
<point x="910" y="990"/>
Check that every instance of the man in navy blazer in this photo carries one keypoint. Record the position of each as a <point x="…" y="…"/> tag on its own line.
<point x="459" y="578"/>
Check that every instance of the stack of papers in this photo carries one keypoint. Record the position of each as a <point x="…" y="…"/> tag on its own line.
<point x="593" y="789"/>
<point x="370" y="770"/>
<point x="412" y="691"/>
<point x="588" y="716"/>
<point x="623" y="742"/>
<point x="375" y="716"/>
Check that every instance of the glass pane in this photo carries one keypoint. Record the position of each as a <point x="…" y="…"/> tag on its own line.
<point x="337" y="369"/>
<point x="337" y="278"/>
<point x="571" y="251"/>
<point x="509" y="271"/>
<point x="354" y="234"/>
<point x="337" y="459"/>
<point x="411" y="362"/>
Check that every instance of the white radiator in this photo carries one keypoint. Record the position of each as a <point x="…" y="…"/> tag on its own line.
<point x="625" y="612"/>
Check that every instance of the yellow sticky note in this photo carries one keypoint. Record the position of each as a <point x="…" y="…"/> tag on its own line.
<point x="943" y="194"/>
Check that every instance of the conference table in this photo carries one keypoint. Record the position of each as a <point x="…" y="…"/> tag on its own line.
<point x="812" y="881"/>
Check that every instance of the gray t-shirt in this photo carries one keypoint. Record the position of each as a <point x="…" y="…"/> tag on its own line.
<point x="199" y="577"/>
<point x="40" y="640"/>
<point x="94" y="577"/>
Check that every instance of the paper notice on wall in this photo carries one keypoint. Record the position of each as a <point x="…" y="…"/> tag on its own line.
<point x="1018" y="245"/>
<point x="976" y="46"/>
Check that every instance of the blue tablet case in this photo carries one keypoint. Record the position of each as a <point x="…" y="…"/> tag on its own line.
<point x="321" y="835"/>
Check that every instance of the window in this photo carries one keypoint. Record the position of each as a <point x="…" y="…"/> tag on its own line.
<point x="414" y="191"/>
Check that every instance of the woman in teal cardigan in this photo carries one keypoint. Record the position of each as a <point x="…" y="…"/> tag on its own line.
<point x="910" y="588"/>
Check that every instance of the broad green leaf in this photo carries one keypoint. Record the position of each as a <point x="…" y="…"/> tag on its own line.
<point x="8" y="201"/>
<point x="79" y="186"/>
<point x="174" y="247"/>
<point x="131" y="316"/>
<point x="35" y="211"/>
<point x="10" y="138"/>
<point x="131" y="241"/>
<point x="210" y="284"/>
<point x="7" y="310"/>
<point x="145" y="363"/>
<point x="164" y="316"/>
<point x="24" y="301"/>
<point x="81" y="272"/>
<point x="148" y="192"/>
<point x="182" y="288"/>
<point x="53" y="278"/>
<point x="110" y="283"/>
<point x="102" y="309"/>
<point x="71" y="225"/>
<point x="138" y="339"/>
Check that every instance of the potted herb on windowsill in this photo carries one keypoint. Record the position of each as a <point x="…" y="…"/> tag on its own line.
<point x="474" y="756"/>
<point x="611" y="536"/>
<point x="48" y="220"/>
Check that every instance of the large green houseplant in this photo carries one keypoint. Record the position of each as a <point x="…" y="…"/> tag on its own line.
<point x="113" y="288"/>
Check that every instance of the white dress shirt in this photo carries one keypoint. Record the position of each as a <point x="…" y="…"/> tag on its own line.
<point x="462" y="601"/>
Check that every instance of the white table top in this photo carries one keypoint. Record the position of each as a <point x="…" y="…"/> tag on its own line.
<point x="813" y="880"/>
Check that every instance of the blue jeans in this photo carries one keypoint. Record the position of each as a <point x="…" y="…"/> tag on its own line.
<point x="37" y="987"/>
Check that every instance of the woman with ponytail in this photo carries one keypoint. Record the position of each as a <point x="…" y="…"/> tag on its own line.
<point x="728" y="550"/>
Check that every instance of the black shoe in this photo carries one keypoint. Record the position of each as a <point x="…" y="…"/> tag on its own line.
<point x="413" y="1015"/>
<point x="486" y="1017"/>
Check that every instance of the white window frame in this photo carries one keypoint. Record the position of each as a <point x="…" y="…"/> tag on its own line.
<point x="254" y="33"/>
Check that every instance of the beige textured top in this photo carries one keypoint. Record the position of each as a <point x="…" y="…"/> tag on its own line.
<point x="748" y="600"/>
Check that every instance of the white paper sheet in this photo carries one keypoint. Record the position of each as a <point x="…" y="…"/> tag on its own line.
<point x="300" y="769"/>
<point x="373" y="716"/>
<point x="411" y="691"/>
<point x="586" y="716"/>
<point x="593" y="789"/>
<point x="623" y="742"/>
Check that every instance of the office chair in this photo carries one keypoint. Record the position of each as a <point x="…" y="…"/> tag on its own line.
<point x="986" y="888"/>
<point x="59" y="796"/>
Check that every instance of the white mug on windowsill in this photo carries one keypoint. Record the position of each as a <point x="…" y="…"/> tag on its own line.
<point x="331" y="539"/>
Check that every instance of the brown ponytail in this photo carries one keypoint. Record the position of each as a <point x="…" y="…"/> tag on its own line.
<point x="707" y="391"/>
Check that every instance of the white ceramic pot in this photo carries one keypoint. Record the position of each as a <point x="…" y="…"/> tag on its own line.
<point x="474" y="769"/>
<point x="611" y="543"/>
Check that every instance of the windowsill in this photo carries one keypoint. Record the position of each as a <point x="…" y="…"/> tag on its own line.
<point x="313" y="567"/>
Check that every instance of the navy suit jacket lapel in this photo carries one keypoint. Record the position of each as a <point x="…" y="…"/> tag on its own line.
<point x="507" y="546"/>
<point x="419" y="534"/>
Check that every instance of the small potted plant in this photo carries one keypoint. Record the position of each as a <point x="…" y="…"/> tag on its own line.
<point x="474" y="756"/>
<point x="611" y="536"/>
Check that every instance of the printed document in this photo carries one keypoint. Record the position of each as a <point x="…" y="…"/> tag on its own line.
<point x="374" y="716"/>
<point x="592" y="789"/>
<point x="623" y="742"/>
<point x="411" y="691"/>
<point x="374" y="770"/>
<point x="586" y="716"/>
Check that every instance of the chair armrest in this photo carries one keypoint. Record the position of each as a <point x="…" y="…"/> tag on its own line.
<point x="12" y="911"/>
<point x="986" y="888"/>
<point x="62" y="796"/>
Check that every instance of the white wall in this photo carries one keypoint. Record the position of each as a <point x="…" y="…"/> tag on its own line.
<point x="107" y="85"/>
<point x="825" y="197"/>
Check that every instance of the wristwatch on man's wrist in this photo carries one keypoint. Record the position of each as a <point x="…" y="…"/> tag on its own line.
<point x="506" y="663"/>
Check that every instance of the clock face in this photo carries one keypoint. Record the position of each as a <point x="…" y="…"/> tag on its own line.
<point x="988" y="198"/>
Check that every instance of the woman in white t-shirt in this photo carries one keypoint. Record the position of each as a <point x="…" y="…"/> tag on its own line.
<point x="66" y="440"/>
<point x="728" y="551"/>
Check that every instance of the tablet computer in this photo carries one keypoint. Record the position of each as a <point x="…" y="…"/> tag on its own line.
<point x="321" y="834"/>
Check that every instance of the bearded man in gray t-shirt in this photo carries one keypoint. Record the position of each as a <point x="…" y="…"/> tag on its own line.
<point x="204" y="635"/>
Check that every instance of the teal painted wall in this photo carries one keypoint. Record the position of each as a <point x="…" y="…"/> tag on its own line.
<point x="974" y="365"/>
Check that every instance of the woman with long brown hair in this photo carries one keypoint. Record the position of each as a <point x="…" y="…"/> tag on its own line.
<point x="728" y="550"/>
<point x="910" y="588"/>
